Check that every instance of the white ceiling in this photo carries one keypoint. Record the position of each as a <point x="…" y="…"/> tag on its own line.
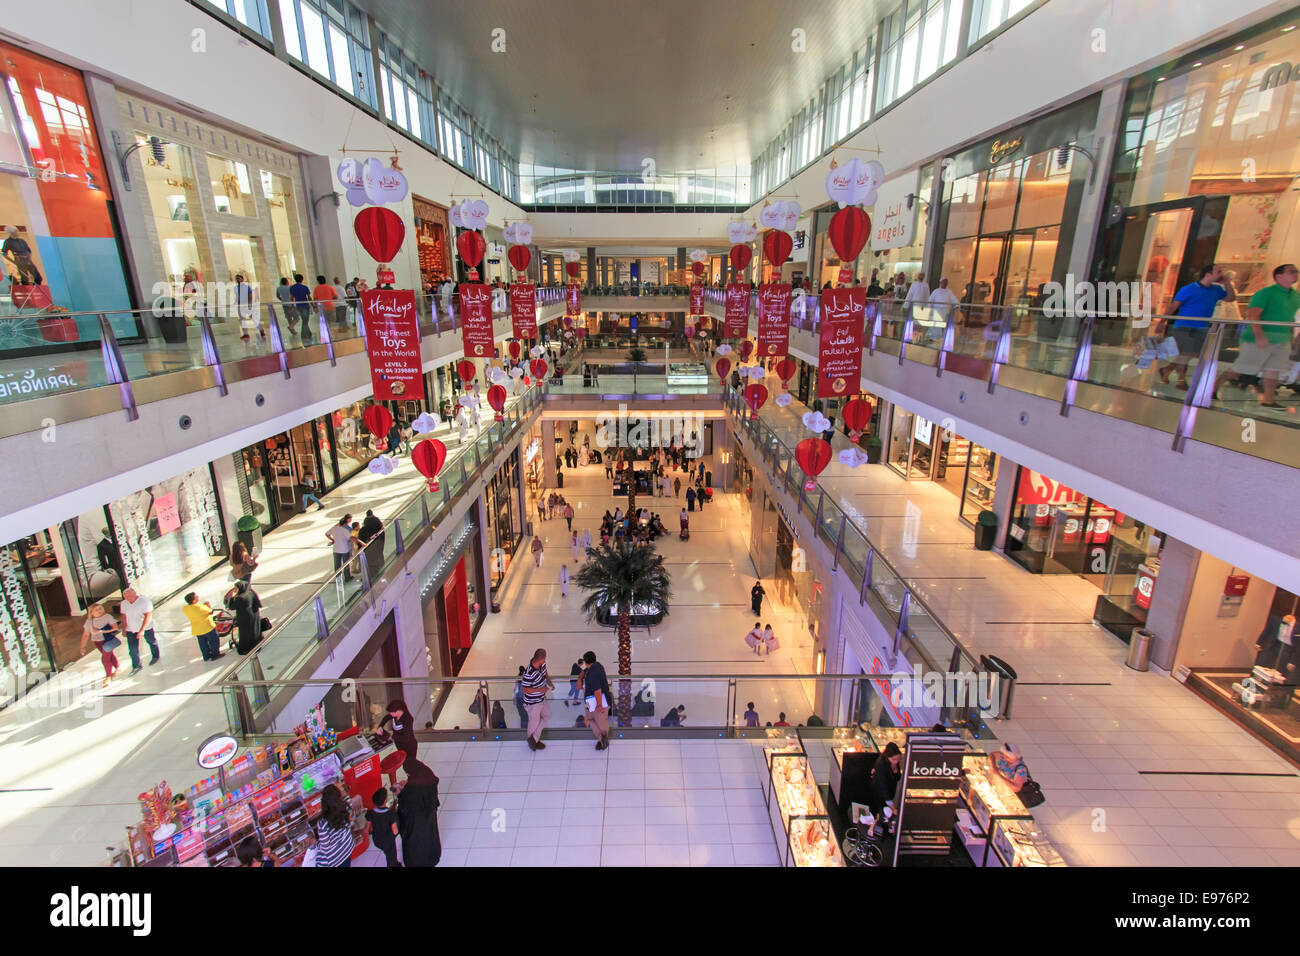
<point x="591" y="85"/>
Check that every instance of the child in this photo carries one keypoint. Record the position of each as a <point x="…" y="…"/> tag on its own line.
<point x="381" y="824"/>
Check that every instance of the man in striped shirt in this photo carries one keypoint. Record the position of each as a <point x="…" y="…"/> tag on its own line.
<point x="534" y="684"/>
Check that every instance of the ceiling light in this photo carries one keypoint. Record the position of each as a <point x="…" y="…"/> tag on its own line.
<point x="1198" y="64"/>
<point x="1239" y="47"/>
<point x="1160" y="79"/>
<point x="1288" y="29"/>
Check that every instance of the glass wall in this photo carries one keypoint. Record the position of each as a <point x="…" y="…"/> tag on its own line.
<point x="545" y="185"/>
<point x="251" y="13"/>
<point x="332" y="38"/>
<point x="917" y="39"/>
<point x="504" y="522"/>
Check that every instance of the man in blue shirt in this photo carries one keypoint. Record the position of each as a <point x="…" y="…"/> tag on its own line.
<point x="301" y="296"/>
<point x="1193" y="304"/>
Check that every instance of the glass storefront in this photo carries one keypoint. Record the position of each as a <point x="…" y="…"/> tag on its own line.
<point x="63" y="254"/>
<point x="504" y="522"/>
<point x="27" y="569"/>
<point x="451" y="589"/>
<point x="1207" y="169"/>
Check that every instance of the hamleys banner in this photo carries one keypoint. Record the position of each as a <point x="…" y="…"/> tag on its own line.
<point x="839" y="362"/>
<point x="736" y="316"/>
<point x="523" y="310"/>
<point x="393" y="343"/>
<point x="572" y="300"/>
<point x="697" y="298"/>
<point x="476" y="320"/>
<point x="774" y="319"/>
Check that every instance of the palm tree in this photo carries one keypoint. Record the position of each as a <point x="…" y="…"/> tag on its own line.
<point x="624" y="574"/>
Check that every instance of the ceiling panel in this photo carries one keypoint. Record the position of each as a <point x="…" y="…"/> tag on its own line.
<point x="593" y="85"/>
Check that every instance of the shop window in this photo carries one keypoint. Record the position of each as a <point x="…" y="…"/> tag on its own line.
<point x="251" y="13"/>
<point x="174" y="205"/>
<point x="232" y="189"/>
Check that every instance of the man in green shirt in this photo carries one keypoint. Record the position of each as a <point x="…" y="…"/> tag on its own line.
<point x="1265" y="348"/>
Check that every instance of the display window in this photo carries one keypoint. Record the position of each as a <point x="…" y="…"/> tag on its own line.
<point x="979" y="479"/>
<point x="30" y="575"/>
<point x="431" y="238"/>
<point x="451" y="589"/>
<point x="911" y="444"/>
<point x="505" y="523"/>
<point x="63" y="252"/>
<point x="353" y="445"/>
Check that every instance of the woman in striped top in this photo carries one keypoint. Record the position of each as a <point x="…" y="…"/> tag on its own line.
<point x="334" y="829"/>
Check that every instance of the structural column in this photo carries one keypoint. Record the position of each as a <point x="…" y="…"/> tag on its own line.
<point x="548" y="453"/>
<point x="591" y="265"/>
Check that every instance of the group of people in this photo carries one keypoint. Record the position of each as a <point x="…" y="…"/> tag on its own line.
<point x="761" y="636"/>
<point x="349" y="538"/>
<point x="588" y="687"/>
<point x="641" y="526"/>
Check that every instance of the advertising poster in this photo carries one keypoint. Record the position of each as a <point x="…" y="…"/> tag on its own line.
<point x="773" y="319"/>
<point x="393" y="343"/>
<point x="839" y="362"/>
<point x="736" y="316"/>
<point x="697" y="298"/>
<point x="168" y="512"/>
<point x="573" y="300"/>
<point x="523" y="310"/>
<point x="476" y="320"/>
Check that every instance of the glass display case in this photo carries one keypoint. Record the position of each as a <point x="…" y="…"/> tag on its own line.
<point x="1020" y="842"/>
<point x="797" y="813"/>
<point x="810" y="841"/>
<point x="853" y="754"/>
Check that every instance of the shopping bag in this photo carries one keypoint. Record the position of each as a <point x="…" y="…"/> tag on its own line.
<point x="1167" y="349"/>
<point x="1292" y="375"/>
<point x="1144" y="353"/>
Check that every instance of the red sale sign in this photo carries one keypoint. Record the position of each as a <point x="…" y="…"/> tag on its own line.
<point x="839" y="362"/>
<point x="697" y="298"/>
<point x="523" y="310"/>
<point x="393" y="343"/>
<point x="1036" y="489"/>
<point x="476" y="320"/>
<point x="736" y="317"/>
<point x="774" y="319"/>
<point x="572" y="300"/>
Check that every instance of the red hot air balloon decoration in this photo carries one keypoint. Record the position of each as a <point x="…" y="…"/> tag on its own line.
<point x="785" y="370"/>
<point x="777" y="246"/>
<point x="856" y="413"/>
<point x="465" y="369"/>
<point x="519" y="257"/>
<point x="428" y="457"/>
<point x="574" y="269"/>
<point x="697" y="268"/>
<point x="746" y="350"/>
<point x="740" y="256"/>
<point x="690" y="331"/>
<point x="848" y="232"/>
<point x="381" y="232"/>
<point x="471" y="246"/>
<point x="813" y="455"/>
<point x="378" y="420"/>
<point x="496" y="397"/>
<point x="538" y="368"/>
<point x="755" y="397"/>
<point x="722" y="367"/>
<point x="515" y="349"/>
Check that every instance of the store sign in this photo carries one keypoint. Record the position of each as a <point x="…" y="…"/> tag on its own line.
<point x="774" y="319"/>
<point x="523" y="310"/>
<point x="393" y="343"/>
<point x="217" y="751"/>
<point x="1036" y="489"/>
<point x="573" y="300"/>
<point x="1001" y="149"/>
<point x="169" y="513"/>
<point x="894" y="225"/>
<point x="933" y="765"/>
<point x="476" y="320"/>
<point x="839" y="361"/>
<point x="1277" y="75"/>
<point x="531" y="452"/>
<point x="697" y="298"/>
<point x="1145" y="586"/>
<point x="736" y="311"/>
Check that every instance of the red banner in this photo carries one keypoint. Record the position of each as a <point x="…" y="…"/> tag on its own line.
<point x="476" y="320"/>
<point x="839" y="362"/>
<point x="573" y="300"/>
<point x="523" y="310"/>
<point x="697" y="298"/>
<point x="1036" y="489"/>
<point x="393" y="343"/>
<point x="736" y="316"/>
<point x="773" y="319"/>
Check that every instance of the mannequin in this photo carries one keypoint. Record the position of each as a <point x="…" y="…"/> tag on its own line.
<point x="1277" y="644"/>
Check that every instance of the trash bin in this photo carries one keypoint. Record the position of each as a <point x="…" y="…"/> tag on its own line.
<point x="1005" y="685"/>
<point x="986" y="530"/>
<point x="1139" y="649"/>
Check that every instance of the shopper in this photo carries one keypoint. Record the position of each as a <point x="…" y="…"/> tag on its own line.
<point x="596" y="699"/>
<point x="334" y="829"/>
<point x="674" y="717"/>
<point x="884" y="777"/>
<point x="781" y="721"/>
<point x="246" y="307"/>
<point x="751" y="715"/>
<point x="586" y="541"/>
<point x="101" y="630"/>
<point x="137" y="622"/>
<point x="301" y="297"/>
<point x="536" y="682"/>
<point x="1265" y="350"/>
<point x="756" y="597"/>
<point x="285" y="298"/>
<point x="498" y="718"/>
<point x="372" y="542"/>
<point x="16" y="250"/>
<point x="520" y="709"/>
<point x="677" y="487"/>
<point x="399" y="725"/>
<point x="308" y="483"/>
<point x="564" y="580"/>
<point x="243" y="600"/>
<point x="250" y="853"/>
<point x="568" y="515"/>
<point x="769" y="640"/>
<point x="340" y="538"/>
<point x="754" y="639"/>
<point x="1194" y="304"/>
<point x="203" y="627"/>
<point x="575" y="545"/>
<point x="340" y="303"/>
<point x="575" y="684"/>
<point x="242" y="563"/>
<point x="690" y="499"/>
<point x="417" y="816"/>
<point x="381" y="825"/>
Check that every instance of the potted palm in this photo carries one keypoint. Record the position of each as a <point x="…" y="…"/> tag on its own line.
<point x="622" y="575"/>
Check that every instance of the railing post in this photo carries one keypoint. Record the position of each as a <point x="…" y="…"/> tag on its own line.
<point x="211" y="357"/>
<point x="364" y="564"/>
<point x="803" y="496"/>
<point x="839" y="542"/>
<point x="875" y="330"/>
<point x="1079" y="364"/>
<point x="424" y="512"/>
<point x="821" y="500"/>
<point x="1201" y="391"/>
<point x="901" y="627"/>
<point x="115" y="367"/>
<point x="399" y="546"/>
<point x="1002" y="352"/>
<point x="909" y="325"/>
<point x="866" y="573"/>
<point x="949" y="338"/>
<point x="322" y="620"/>
<point x="277" y="339"/>
<point x="326" y="338"/>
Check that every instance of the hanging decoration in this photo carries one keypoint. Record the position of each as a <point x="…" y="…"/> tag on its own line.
<point x="690" y="331"/>
<point x="471" y="246"/>
<point x="813" y="455"/>
<point x="853" y="457"/>
<point x="496" y="396"/>
<point x="856" y="414"/>
<point x="538" y="368"/>
<point x="746" y="350"/>
<point x="370" y="182"/>
<point x="839" y="350"/>
<point x="428" y="457"/>
<point x="784" y="400"/>
<point x="425" y="423"/>
<point x="849" y="230"/>
<point x="380" y="231"/>
<point x="724" y="349"/>
<point x="392" y="324"/>
<point x="722" y="367"/>
<point x="739" y="233"/>
<point x="523" y="309"/>
<point x="378" y="420"/>
<point x="740" y="256"/>
<point x="382" y="465"/>
<point x="777" y="246"/>
<point x="855" y="183"/>
<point x="698" y="255"/>
<point x="816" y="422"/>
<point x="573" y="269"/>
<point x="755" y="397"/>
<point x="520" y="233"/>
<point x="697" y="268"/>
<point x="519" y="257"/>
<point x="515" y="347"/>
<point x="470" y="214"/>
<point x="785" y="370"/>
<point x="774" y="316"/>
<point x="780" y="215"/>
<point x="466" y="370"/>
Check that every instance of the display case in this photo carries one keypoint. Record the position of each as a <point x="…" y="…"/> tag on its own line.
<point x="1020" y="842"/>
<point x="810" y="841"/>
<point x="797" y="813"/>
<point x="990" y="806"/>
<point x="853" y="754"/>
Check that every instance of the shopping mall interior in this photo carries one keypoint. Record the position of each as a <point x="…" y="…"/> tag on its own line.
<point x="804" y="387"/>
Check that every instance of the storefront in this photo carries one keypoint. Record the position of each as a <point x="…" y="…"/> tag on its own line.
<point x="505" y="522"/>
<point x="27" y="569"/>
<point x="1185" y="192"/>
<point x="451" y="595"/>
<point x="1007" y="215"/>
<point x="65" y="253"/>
<point x="432" y="230"/>
<point x="921" y="450"/>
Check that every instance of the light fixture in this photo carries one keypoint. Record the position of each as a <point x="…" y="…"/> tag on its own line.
<point x="1160" y="79"/>
<point x="1239" y="47"/>
<point x="155" y="147"/>
<point x="1198" y="64"/>
<point x="1288" y="29"/>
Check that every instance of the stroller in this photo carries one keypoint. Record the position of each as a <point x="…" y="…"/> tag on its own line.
<point x="686" y="531"/>
<point x="225" y="622"/>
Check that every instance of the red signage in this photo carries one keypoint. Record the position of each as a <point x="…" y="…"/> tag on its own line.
<point x="476" y="320"/>
<point x="845" y="275"/>
<point x="523" y="310"/>
<point x="393" y="343"/>
<point x="1146" y="584"/>
<point x="572" y="300"/>
<point x="697" y="298"/>
<point x="1036" y="489"/>
<point x="774" y="319"/>
<point x="736" y="316"/>
<point x="839" y="362"/>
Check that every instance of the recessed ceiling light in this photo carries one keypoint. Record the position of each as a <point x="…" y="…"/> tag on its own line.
<point x="1198" y="64"/>
<point x="1160" y="79"/>
<point x="1288" y="29"/>
<point x="1240" y="46"/>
